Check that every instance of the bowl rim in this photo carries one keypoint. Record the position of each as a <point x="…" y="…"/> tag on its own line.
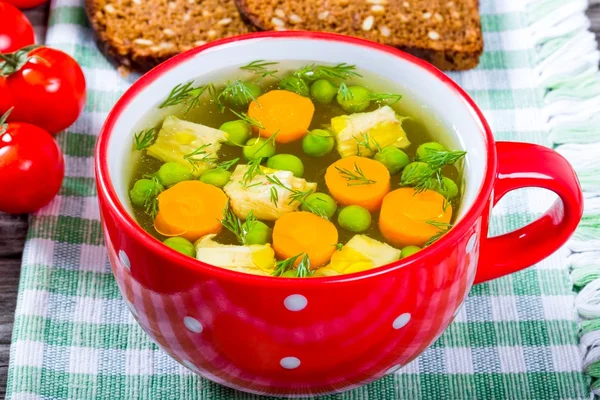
<point x="132" y="228"/>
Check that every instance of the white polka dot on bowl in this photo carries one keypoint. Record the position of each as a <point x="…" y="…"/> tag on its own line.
<point x="124" y="259"/>
<point x="295" y="302"/>
<point x="401" y="321"/>
<point x="193" y="324"/>
<point x="290" y="362"/>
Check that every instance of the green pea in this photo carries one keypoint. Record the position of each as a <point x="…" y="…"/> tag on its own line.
<point x="318" y="143"/>
<point x="181" y="245"/>
<point x="171" y="173"/>
<point x="238" y="131"/>
<point x="241" y="99"/>
<point x="290" y="273"/>
<point x="425" y="149"/>
<point x="448" y="188"/>
<point x="320" y="204"/>
<point x="412" y="171"/>
<point x="356" y="101"/>
<point x="217" y="177"/>
<point x="354" y="219"/>
<point x="287" y="162"/>
<point x="294" y="84"/>
<point x="260" y="233"/>
<point x="393" y="158"/>
<point x="409" y="251"/>
<point x="322" y="91"/>
<point x="144" y="189"/>
<point x="256" y="148"/>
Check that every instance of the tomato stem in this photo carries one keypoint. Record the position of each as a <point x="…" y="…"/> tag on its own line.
<point x="3" y="119"/>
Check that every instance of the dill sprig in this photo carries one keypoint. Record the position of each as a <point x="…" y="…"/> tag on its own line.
<point x="199" y="156"/>
<point x="344" y="92"/>
<point x="427" y="178"/>
<point x="151" y="199"/>
<point x="274" y="196"/>
<point x="339" y="246"/>
<point x="232" y="223"/>
<point x="295" y="196"/>
<point x="443" y="227"/>
<point x="236" y="89"/>
<point x="252" y="170"/>
<point x="437" y="159"/>
<point x="341" y="71"/>
<point x="261" y="67"/>
<point x="302" y="270"/>
<point x="227" y="164"/>
<point x="185" y="93"/>
<point x="295" y="84"/>
<point x="144" y="138"/>
<point x="248" y="119"/>
<point x="381" y="97"/>
<point x="355" y="177"/>
<point x="365" y="141"/>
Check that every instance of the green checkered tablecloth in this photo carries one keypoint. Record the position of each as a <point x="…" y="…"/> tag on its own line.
<point x="515" y="338"/>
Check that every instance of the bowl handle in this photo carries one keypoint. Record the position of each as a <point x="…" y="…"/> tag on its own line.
<point x="528" y="165"/>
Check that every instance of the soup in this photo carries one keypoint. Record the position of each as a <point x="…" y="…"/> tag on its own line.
<point x="294" y="171"/>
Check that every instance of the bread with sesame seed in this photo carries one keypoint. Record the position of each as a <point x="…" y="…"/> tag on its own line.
<point x="139" y="34"/>
<point x="447" y="33"/>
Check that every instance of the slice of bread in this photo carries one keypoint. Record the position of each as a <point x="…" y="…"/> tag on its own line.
<point x="446" y="33"/>
<point x="140" y="34"/>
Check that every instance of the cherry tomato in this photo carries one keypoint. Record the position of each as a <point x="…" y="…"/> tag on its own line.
<point x="45" y="86"/>
<point x="25" y="3"/>
<point x="15" y="30"/>
<point x="31" y="168"/>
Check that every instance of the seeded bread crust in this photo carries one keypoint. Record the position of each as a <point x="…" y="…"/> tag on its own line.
<point x="447" y="33"/>
<point x="140" y="34"/>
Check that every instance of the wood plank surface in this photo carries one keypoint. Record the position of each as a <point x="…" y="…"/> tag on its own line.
<point x="12" y="237"/>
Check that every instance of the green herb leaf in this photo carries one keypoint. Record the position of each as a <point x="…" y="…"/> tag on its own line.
<point x="381" y="97"/>
<point x="302" y="270"/>
<point x="297" y="196"/>
<point x="151" y="199"/>
<point x="185" y="93"/>
<point x="365" y="141"/>
<point x="274" y="196"/>
<point x="295" y="84"/>
<point x="235" y="225"/>
<point x="252" y="170"/>
<point x="341" y="71"/>
<point x="344" y="92"/>
<point x="144" y="138"/>
<point x="199" y="156"/>
<point x="261" y="67"/>
<point x="339" y="246"/>
<point x="443" y="229"/>
<point x="249" y="120"/>
<point x="237" y="89"/>
<point x="355" y="177"/>
<point x="439" y="158"/>
<point x="227" y="164"/>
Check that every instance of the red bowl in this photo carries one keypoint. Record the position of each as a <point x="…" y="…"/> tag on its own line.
<point x="291" y="337"/>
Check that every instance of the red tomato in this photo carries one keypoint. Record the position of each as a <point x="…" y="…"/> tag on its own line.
<point x="31" y="168"/>
<point x="25" y="3"/>
<point x="15" y="30"/>
<point x="47" y="91"/>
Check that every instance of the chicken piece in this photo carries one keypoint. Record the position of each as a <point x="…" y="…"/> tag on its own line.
<point x="178" y="138"/>
<point x="256" y="195"/>
<point x="252" y="259"/>
<point x="361" y="134"/>
<point x="361" y="253"/>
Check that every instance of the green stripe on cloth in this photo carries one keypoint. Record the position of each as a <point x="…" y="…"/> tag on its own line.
<point x="74" y="337"/>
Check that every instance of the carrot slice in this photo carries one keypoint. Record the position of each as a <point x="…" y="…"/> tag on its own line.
<point x="190" y="209"/>
<point x="304" y="232"/>
<point x="358" y="181"/>
<point x="284" y="112"/>
<point x="409" y="218"/>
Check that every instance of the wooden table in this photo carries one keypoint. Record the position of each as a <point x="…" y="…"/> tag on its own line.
<point x="12" y="237"/>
